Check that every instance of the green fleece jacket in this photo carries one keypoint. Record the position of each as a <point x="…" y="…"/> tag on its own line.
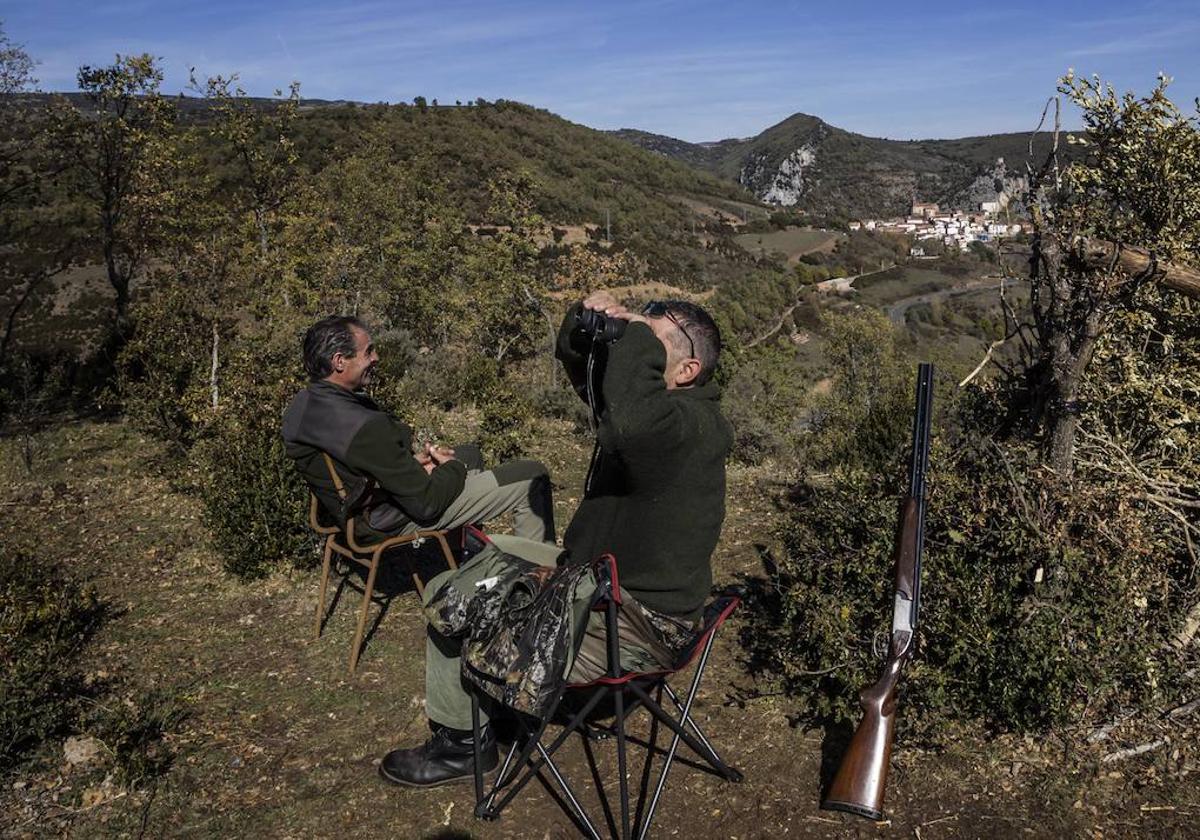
<point x="655" y="495"/>
<point x="365" y="441"/>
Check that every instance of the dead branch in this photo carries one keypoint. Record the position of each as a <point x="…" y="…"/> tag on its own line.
<point x="1018" y="491"/>
<point x="986" y="358"/>
<point x="214" y="388"/>
<point x="1184" y="709"/>
<point x="1137" y="262"/>
<point x="1140" y="749"/>
<point x="536" y="303"/>
<point x="1171" y="500"/>
<point x="1101" y="733"/>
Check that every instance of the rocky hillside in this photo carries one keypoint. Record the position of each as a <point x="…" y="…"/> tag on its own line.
<point x="805" y="162"/>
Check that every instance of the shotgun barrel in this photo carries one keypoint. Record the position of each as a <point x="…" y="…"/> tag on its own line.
<point x="861" y="779"/>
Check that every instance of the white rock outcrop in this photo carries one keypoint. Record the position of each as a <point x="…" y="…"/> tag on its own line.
<point x="787" y="184"/>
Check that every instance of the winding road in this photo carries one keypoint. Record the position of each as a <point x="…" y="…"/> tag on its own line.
<point x="784" y="315"/>
<point x="898" y="310"/>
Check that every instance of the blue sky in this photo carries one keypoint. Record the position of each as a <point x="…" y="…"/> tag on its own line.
<point x="694" y="70"/>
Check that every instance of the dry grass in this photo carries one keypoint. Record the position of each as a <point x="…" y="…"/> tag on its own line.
<point x="281" y="742"/>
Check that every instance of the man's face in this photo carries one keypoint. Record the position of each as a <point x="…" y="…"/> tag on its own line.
<point x="353" y="372"/>
<point x="681" y="368"/>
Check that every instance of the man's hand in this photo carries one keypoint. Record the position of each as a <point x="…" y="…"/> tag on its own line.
<point x="606" y="302"/>
<point x="433" y="456"/>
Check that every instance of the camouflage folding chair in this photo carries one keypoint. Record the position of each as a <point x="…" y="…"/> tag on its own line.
<point x="344" y="543"/>
<point x="627" y="691"/>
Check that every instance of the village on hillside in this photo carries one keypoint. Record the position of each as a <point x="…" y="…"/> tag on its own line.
<point x="952" y="228"/>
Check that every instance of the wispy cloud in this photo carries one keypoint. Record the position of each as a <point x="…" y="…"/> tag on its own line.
<point x="1136" y="43"/>
<point x="696" y="69"/>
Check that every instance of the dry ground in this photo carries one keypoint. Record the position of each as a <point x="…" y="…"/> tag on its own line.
<point x="280" y="742"/>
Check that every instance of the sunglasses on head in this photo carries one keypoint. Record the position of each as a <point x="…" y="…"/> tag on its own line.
<point x="659" y="309"/>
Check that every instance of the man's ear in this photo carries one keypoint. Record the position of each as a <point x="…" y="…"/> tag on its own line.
<point x="338" y="362"/>
<point x="687" y="372"/>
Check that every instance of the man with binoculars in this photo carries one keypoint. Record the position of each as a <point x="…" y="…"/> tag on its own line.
<point x="654" y="498"/>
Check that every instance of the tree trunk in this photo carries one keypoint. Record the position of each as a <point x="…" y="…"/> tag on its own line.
<point x="9" y="322"/>
<point x="1072" y="350"/>
<point x="120" y="283"/>
<point x="260" y="219"/>
<point x="118" y="277"/>
<point x="1070" y="345"/>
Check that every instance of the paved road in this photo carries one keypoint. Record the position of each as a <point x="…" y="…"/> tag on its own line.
<point x="898" y="310"/>
<point x="849" y="284"/>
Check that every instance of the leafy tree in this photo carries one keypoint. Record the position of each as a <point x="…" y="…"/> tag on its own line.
<point x="1137" y="184"/>
<point x="123" y="152"/>
<point x="861" y="420"/>
<point x="38" y="231"/>
<point x="18" y="180"/>
<point x="16" y="78"/>
<point x="258" y="141"/>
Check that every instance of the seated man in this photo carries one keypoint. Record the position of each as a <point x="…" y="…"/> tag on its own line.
<point x="654" y="497"/>
<point x="432" y="489"/>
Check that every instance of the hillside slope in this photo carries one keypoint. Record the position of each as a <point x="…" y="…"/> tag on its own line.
<point x="803" y="161"/>
<point x="580" y="172"/>
<point x="578" y="176"/>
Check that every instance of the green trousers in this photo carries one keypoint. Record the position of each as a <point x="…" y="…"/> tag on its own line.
<point x="644" y="645"/>
<point x="522" y="487"/>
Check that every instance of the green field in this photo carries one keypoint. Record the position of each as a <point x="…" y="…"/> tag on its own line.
<point x="793" y="242"/>
<point x="901" y="282"/>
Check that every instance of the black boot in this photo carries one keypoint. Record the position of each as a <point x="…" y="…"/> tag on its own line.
<point x="448" y="756"/>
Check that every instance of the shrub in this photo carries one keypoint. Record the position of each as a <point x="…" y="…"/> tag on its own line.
<point x="1043" y="600"/>
<point x="761" y="398"/>
<point x="506" y="409"/>
<point x="1046" y="599"/>
<point x="254" y="503"/>
<point x="163" y="369"/>
<point x="863" y="419"/>
<point x="45" y="618"/>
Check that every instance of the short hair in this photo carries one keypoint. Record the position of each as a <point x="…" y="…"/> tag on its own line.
<point x="705" y="335"/>
<point x="326" y="338"/>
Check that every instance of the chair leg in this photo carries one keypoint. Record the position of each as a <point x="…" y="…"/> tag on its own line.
<point x="476" y="736"/>
<point x="692" y="723"/>
<point x="647" y="765"/>
<point x="362" y="613"/>
<point x="325" y="563"/>
<point x="450" y="561"/>
<point x="619" y="697"/>
<point x="525" y="762"/>
<point x="570" y="794"/>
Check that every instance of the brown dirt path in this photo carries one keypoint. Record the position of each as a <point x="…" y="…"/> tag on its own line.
<point x="280" y="742"/>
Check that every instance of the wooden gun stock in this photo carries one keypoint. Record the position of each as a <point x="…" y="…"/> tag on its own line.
<point x="862" y="777"/>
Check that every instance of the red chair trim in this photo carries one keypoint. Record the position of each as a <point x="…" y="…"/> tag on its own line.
<point x="613" y="576"/>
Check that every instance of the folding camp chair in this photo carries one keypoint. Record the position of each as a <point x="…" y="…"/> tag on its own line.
<point x="627" y="691"/>
<point x="343" y="542"/>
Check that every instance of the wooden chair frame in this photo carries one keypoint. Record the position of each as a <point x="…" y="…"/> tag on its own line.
<point x="367" y="556"/>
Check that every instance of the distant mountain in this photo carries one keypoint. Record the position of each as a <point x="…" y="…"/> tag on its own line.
<point x="806" y="163"/>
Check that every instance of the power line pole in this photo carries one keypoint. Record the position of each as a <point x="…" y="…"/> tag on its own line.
<point x="607" y="226"/>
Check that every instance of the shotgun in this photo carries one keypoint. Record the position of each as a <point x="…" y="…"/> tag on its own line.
<point x="861" y="778"/>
